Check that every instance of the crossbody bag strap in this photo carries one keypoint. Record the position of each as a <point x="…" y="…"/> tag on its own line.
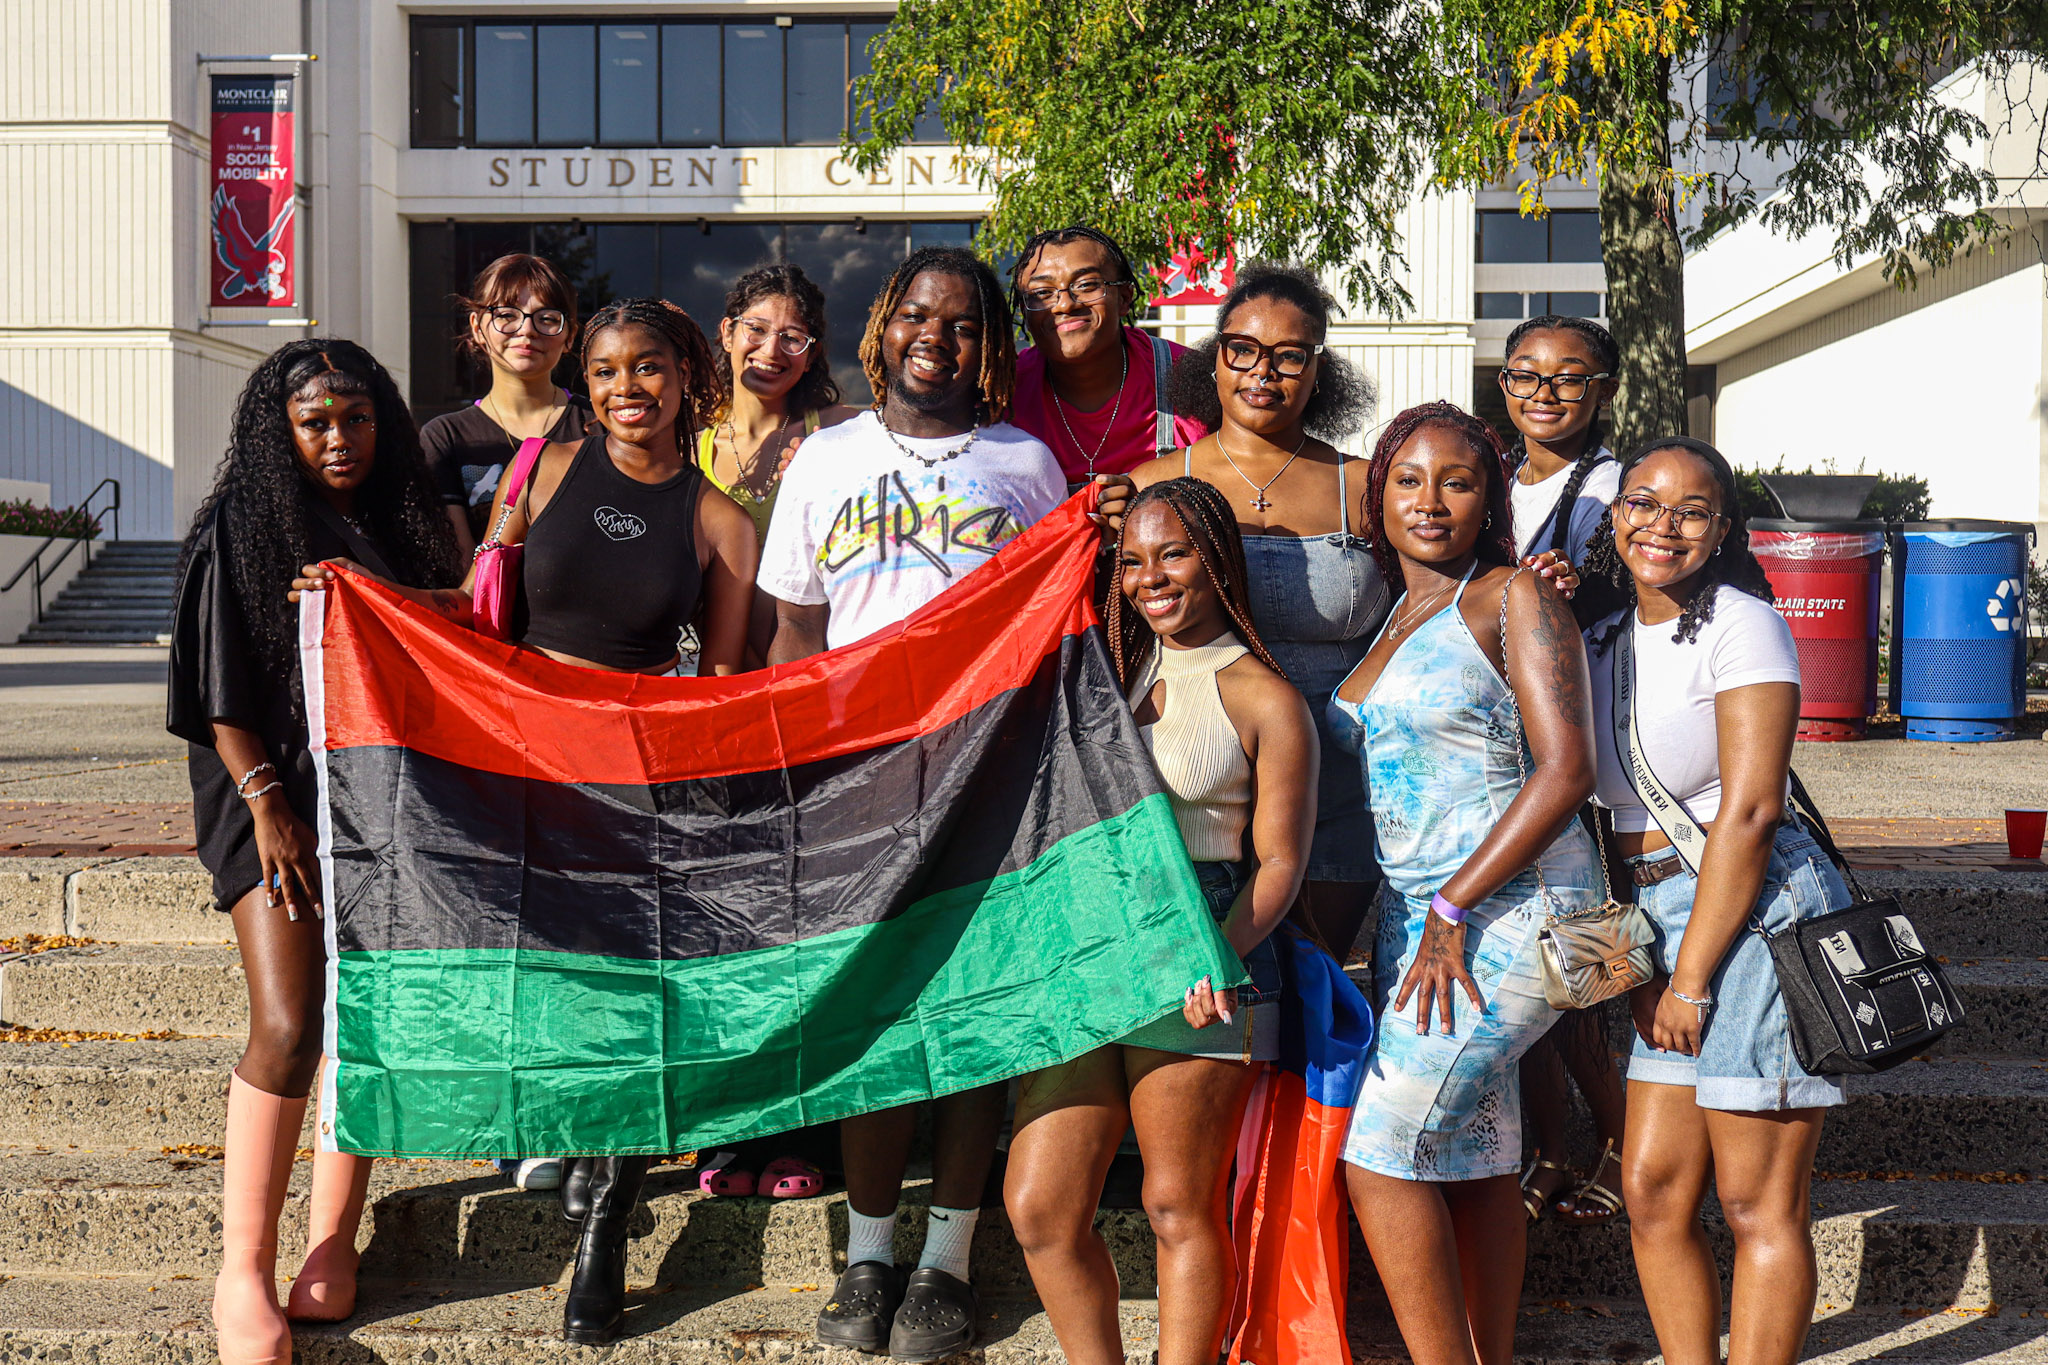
<point x="1162" y="400"/>
<point x="1809" y="813"/>
<point x="1668" y="811"/>
<point x="522" y="470"/>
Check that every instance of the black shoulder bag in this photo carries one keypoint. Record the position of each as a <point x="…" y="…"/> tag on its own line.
<point x="1861" y="992"/>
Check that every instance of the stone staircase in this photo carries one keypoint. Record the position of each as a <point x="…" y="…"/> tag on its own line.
<point x="123" y="598"/>
<point x="1931" y="1216"/>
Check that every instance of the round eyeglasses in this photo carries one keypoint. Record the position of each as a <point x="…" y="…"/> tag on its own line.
<point x="1565" y="388"/>
<point x="789" y="343"/>
<point x="1687" y="523"/>
<point x="1086" y="292"/>
<point x="1241" y="353"/>
<point x="547" y="322"/>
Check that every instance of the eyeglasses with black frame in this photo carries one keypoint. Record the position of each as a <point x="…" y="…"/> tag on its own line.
<point x="1687" y="523"/>
<point x="1086" y="292"/>
<point x="547" y="322"/>
<point x="1565" y="388"/>
<point x="789" y="343"/>
<point x="1242" y="353"/>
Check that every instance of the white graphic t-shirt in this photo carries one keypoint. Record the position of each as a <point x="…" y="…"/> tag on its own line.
<point x="874" y="533"/>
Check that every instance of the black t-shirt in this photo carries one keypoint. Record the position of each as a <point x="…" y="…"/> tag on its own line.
<point x="467" y="454"/>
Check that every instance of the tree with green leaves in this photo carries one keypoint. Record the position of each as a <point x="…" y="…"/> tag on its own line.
<point x="1304" y="128"/>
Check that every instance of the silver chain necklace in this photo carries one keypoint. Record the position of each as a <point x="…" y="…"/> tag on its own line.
<point x="1059" y="405"/>
<point x="931" y="461"/>
<point x="1414" y="614"/>
<point x="1260" y="502"/>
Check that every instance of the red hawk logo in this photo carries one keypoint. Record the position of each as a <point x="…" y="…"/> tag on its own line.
<point x="255" y="265"/>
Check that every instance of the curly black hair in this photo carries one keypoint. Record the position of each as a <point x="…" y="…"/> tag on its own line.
<point x="1732" y="562"/>
<point x="1343" y="398"/>
<point x="816" y="390"/>
<point x="997" y="382"/>
<point x="261" y="493"/>
<point x="1608" y="356"/>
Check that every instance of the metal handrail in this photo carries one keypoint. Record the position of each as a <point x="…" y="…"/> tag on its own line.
<point x="43" y="573"/>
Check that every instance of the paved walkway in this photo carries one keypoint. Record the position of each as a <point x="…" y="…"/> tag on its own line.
<point x="130" y="829"/>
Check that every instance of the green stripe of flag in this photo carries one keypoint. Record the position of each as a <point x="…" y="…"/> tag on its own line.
<point x="504" y="1052"/>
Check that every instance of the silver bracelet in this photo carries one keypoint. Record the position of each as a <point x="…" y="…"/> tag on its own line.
<point x="260" y="791"/>
<point x="259" y="768"/>
<point x="1684" y="999"/>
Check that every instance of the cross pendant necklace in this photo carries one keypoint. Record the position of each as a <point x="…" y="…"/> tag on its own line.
<point x="1260" y="502"/>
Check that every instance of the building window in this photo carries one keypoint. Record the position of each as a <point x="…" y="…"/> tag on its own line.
<point x="1508" y="238"/>
<point x="1510" y="307"/>
<point x="692" y="263"/>
<point x="506" y="83"/>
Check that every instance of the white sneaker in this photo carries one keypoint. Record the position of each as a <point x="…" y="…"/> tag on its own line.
<point x="539" y="1173"/>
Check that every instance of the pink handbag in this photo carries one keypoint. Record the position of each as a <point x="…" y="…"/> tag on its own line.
<point x="497" y="564"/>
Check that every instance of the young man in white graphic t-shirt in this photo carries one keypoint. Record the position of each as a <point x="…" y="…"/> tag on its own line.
<point x="876" y="517"/>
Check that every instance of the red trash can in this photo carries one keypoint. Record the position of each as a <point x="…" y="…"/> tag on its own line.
<point x="1826" y="577"/>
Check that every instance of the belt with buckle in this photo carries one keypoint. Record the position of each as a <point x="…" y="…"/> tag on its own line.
<point x="1659" y="867"/>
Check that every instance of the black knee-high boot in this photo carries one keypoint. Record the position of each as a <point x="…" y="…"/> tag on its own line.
<point x="575" y="1187"/>
<point x="597" y="1291"/>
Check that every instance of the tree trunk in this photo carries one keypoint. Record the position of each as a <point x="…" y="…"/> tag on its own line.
<point x="1645" y="265"/>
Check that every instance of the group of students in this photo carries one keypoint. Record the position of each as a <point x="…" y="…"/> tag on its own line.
<point x="1382" y="685"/>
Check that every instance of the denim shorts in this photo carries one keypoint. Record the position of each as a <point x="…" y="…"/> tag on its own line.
<point x="1254" y="1035"/>
<point x="1746" y="1062"/>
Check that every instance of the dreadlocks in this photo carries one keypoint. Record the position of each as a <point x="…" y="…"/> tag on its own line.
<point x="1063" y="237"/>
<point x="815" y="390"/>
<point x="998" y="378"/>
<point x="1607" y="356"/>
<point x="260" y="494"/>
<point x="1496" y="543"/>
<point x="1732" y="563"/>
<point x="684" y="338"/>
<point x="1212" y="529"/>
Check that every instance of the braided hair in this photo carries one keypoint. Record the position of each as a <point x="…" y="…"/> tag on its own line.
<point x="1212" y="529"/>
<point x="1497" y="542"/>
<point x="260" y="494"/>
<point x="815" y="390"/>
<point x="997" y="382"/>
<point x="684" y="338"/>
<point x="1065" y="236"/>
<point x="1732" y="563"/>
<point x="1608" y="355"/>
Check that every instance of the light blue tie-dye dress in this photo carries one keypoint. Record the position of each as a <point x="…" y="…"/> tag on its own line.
<point x="1439" y="735"/>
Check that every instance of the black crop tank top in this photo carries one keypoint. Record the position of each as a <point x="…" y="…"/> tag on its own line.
<point x="610" y="572"/>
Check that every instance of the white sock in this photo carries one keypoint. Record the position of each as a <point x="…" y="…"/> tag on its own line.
<point x="947" y="1240"/>
<point x="870" y="1239"/>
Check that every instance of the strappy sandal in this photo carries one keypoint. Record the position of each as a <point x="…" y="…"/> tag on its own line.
<point x="1532" y="1202"/>
<point x="1605" y="1204"/>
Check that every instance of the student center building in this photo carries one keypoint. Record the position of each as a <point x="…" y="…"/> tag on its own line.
<point x="664" y="148"/>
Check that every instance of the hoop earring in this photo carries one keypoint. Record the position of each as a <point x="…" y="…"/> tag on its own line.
<point x="1489" y="525"/>
<point x="1718" y="549"/>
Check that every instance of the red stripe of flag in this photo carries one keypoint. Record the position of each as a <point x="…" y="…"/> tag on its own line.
<point x="572" y="724"/>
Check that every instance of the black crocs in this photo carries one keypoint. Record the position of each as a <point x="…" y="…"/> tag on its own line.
<point x="936" y="1319"/>
<point x="862" y="1306"/>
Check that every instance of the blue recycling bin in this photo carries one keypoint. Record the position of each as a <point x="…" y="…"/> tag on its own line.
<point x="1959" y="628"/>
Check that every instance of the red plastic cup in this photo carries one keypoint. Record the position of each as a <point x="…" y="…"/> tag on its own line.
<point x="2023" y="831"/>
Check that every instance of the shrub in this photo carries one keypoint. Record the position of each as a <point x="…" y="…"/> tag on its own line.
<point x="24" y="518"/>
<point x="1896" y="498"/>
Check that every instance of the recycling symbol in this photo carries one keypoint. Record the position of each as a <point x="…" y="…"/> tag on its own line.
<point x="2003" y="606"/>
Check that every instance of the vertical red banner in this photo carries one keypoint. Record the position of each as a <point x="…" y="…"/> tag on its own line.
<point x="251" y="207"/>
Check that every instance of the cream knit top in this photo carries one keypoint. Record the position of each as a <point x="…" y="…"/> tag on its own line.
<point x="1196" y="748"/>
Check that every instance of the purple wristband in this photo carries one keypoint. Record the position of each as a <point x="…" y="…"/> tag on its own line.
<point x="1443" y="907"/>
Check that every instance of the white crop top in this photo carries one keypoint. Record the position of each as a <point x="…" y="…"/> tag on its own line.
<point x="1746" y="643"/>
<point x="1196" y="749"/>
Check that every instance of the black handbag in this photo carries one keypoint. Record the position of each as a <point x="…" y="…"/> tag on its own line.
<point x="1862" y="991"/>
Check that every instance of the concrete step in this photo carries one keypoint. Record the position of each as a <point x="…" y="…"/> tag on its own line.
<point x="155" y="1320"/>
<point x="141" y="900"/>
<point x="45" y="634"/>
<point x="87" y="611"/>
<point x="197" y="988"/>
<point x="126" y="988"/>
<point x="1913" y="1243"/>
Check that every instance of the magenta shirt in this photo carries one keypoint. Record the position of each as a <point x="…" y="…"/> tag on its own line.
<point x="1131" y="442"/>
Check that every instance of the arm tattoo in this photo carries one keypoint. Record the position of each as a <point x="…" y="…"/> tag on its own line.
<point x="1556" y="637"/>
<point x="450" y="604"/>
